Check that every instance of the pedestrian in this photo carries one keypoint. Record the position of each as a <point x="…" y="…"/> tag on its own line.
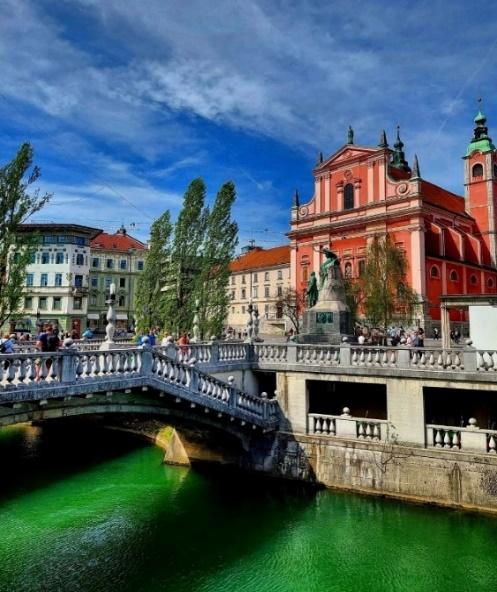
<point x="183" y="342"/>
<point x="421" y="337"/>
<point x="88" y="334"/>
<point x="151" y="338"/>
<point x="7" y="344"/>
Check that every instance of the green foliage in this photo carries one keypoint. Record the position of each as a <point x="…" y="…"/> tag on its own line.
<point x="353" y="296"/>
<point x="221" y="238"/>
<point x="149" y="298"/>
<point x="16" y="205"/>
<point x="292" y="305"/>
<point x="384" y="287"/>
<point x="185" y="264"/>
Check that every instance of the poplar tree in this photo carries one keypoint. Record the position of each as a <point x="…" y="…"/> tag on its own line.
<point x="149" y="298"/>
<point x="16" y="206"/>
<point x="221" y="238"/>
<point x="185" y="264"/>
<point x="384" y="283"/>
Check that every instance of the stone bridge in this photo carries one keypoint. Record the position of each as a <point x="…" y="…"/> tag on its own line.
<point x="31" y="382"/>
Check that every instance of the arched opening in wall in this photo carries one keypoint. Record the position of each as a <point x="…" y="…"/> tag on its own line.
<point x="477" y="171"/>
<point x="363" y="400"/>
<point x="473" y="279"/>
<point x="490" y="283"/>
<point x="453" y="276"/>
<point x="434" y="271"/>
<point x="305" y="273"/>
<point x="348" y="269"/>
<point x="454" y="407"/>
<point x="348" y="197"/>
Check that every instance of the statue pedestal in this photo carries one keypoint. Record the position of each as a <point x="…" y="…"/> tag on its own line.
<point x="329" y="320"/>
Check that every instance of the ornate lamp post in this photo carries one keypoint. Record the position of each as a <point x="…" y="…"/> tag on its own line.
<point x="110" y="329"/>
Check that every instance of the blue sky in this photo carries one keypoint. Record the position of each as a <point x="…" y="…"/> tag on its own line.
<point x="126" y="102"/>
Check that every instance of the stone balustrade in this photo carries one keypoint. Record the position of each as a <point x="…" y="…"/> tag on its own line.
<point x="466" y="439"/>
<point x="346" y="426"/>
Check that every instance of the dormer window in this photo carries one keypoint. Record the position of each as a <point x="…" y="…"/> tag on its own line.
<point x="348" y="197"/>
<point x="477" y="171"/>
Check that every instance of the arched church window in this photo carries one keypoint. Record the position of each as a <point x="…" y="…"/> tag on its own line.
<point x="348" y="270"/>
<point x="477" y="170"/>
<point x="490" y="282"/>
<point x="453" y="276"/>
<point x="362" y="267"/>
<point x="348" y="197"/>
<point x="305" y="273"/>
<point x="434" y="272"/>
<point x="473" y="279"/>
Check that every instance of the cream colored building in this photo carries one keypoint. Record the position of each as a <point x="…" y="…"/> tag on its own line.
<point x="259" y="276"/>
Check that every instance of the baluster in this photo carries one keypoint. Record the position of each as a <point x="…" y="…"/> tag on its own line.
<point x="393" y="359"/>
<point x="43" y="369"/>
<point x="447" y="443"/>
<point x="31" y="370"/>
<point x="318" y="425"/>
<point x="368" y="431"/>
<point x="360" y="430"/>
<point x="438" y="439"/>
<point x="384" y="358"/>
<point x="332" y="427"/>
<point x="492" y="445"/>
<point x="494" y="360"/>
<point x="362" y="358"/>
<point x="431" y="360"/>
<point x="457" y="360"/>
<point x="354" y="358"/>
<point x="455" y="441"/>
<point x="11" y="371"/>
<point x="376" y="432"/>
<point x="336" y="356"/>
<point x="440" y="360"/>
<point x="422" y="360"/>
<point x="23" y="370"/>
<point x="448" y="360"/>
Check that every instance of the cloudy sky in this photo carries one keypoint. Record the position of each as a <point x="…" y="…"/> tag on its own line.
<point x="126" y="102"/>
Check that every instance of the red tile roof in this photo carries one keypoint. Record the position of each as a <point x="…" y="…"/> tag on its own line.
<point x="441" y="197"/>
<point x="259" y="258"/>
<point x="116" y="242"/>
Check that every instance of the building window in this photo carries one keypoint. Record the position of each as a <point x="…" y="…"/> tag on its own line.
<point x="266" y="292"/>
<point x="45" y="258"/>
<point x="80" y="260"/>
<point x="244" y="294"/>
<point x="29" y="279"/>
<point x="94" y="282"/>
<point x="348" y="197"/>
<point x="122" y="264"/>
<point x="266" y="310"/>
<point x="254" y="292"/>
<point x="232" y="280"/>
<point x="477" y="171"/>
<point x="139" y="265"/>
<point x="255" y="278"/>
<point x="348" y="269"/>
<point x="280" y="274"/>
<point x="453" y="276"/>
<point x="32" y="257"/>
<point x="266" y="276"/>
<point x="78" y="303"/>
<point x="58" y="280"/>
<point x="93" y="300"/>
<point x="305" y="273"/>
<point x="57" y="303"/>
<point x="59" y="258"/>
<point x="279" y="291"/>
<point x="232" y="294"/>
<point x="243" y="279"/>
<point x="434" y="272"/>
<point x="122" y="282"/>
<point x="109" y="263"/>
<point x="42" y="303"/>
<point x="243" y="310"/>
<point x="279" y="311"/>
<point x="473" y="279"/>
<point x="95" y="262"/>
<point x="490" y="283"/>
<point x="44" y="279"/>
<point x="28" y="302"/>
<point x="108" y="282"/>
<point x="362" y="267"/>
<point x="78" y="281"/>
<point x="122" y="301"/>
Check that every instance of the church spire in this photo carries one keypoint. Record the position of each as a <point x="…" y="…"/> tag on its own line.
<point x="398" y="158"/>
<point x="383" y="140"/>
<point x="415" y="168"/>
<point x="481" y="140"/>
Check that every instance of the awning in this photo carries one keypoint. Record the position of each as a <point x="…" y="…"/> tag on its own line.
<point x="93" y="316"/>
<point x="121" y="317"/>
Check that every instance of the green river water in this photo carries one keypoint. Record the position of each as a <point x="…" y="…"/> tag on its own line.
<point x="101" y="513"/>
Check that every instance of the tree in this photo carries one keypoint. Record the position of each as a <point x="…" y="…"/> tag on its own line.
<point x="384" y="285"/>
<point x="189" y="233"/>
<point x="16" y="206"/>
<point x="292" y="305"/>
<point x="221" y="238"/>
<point x="148" y="298"/>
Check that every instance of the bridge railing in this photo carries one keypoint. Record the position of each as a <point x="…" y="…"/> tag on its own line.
<point x="347" y="426"/>
<point x="465" y="439"/>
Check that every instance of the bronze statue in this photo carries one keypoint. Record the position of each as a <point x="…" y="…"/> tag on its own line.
<point x="330" y="261"/>
<point x="312" y="290"/>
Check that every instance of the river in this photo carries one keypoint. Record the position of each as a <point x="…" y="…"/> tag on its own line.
<point x="95" y="511"/>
